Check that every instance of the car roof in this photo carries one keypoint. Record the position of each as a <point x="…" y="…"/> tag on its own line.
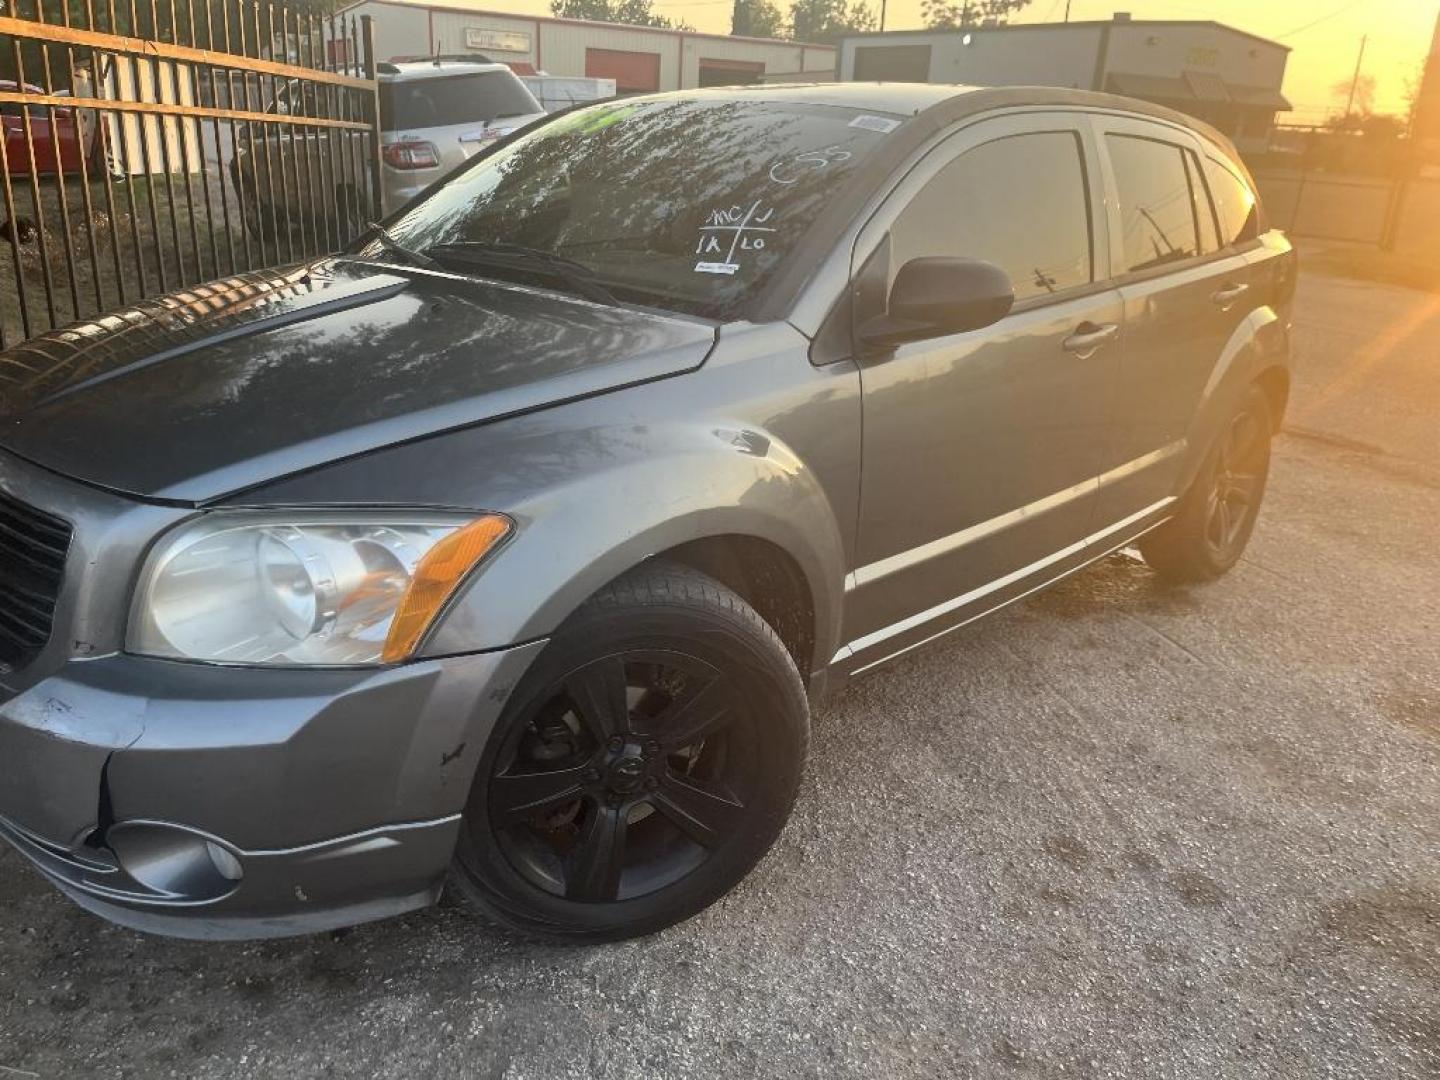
<point x="939" y="103"/>
<point x="405" y="70"/>
<point x="898" y="99"/>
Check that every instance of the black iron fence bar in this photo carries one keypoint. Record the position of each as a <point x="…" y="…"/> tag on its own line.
<point x="158" y="108"/>
<point x="234" y="140"/>
<point x="63" y="201"/>
<point x="27" y="127"/>
<point x="164" y="50"/>
<point x="163" y="133"/>
<point x="316" y="127"/>
<point x="8" y="191"/>
<point x="373" y="115"/>
<point x="109" y="184"/>
<point x="86" y="199"/>
<point x="219" y="143"/>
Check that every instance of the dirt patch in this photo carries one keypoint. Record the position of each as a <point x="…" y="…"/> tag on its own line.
<point x="1401" y="923"/>
<point x="1069" y="850"/>
<point x="1121" y="582"/>
<point x="1196" y="890"/>
<point x="1418" y="710"/>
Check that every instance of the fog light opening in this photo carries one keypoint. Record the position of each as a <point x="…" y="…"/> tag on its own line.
<point x="173" y="861"/>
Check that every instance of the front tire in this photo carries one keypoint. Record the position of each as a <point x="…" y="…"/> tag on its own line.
<point x="1209" y="533"/>
<point x="644" y="765"/>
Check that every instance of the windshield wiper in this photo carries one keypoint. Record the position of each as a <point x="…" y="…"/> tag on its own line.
<point x="520" y="257"/>
<point x="395" y="247"/>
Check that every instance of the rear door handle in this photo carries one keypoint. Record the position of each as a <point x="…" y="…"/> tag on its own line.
<point x="1224" y="297"/>
<point x="1089" y="338"/>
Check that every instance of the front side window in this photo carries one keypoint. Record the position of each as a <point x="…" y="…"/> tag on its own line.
<point x="1020" y="202"/>
<point x="689" y="205"/>
<point x="1157" y="206"/>
<point x="1235" y="203"/>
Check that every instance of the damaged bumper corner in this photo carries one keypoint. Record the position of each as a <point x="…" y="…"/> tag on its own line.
<point x="212" y="802"/>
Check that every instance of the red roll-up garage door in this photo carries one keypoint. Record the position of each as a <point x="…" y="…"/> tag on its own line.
<point x="633" y="72"/>
<point x="715" y="72"/>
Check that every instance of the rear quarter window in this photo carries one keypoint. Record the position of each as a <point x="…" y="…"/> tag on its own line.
<point x="1235" y="204"/>
<point x="473" y="97"/>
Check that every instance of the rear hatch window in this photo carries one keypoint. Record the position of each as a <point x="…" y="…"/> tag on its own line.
<point x="453" y="99"/>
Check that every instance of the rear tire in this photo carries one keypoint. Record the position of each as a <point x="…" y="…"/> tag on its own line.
<point x="1217" y="514"/>
<point x="643" y="766"/>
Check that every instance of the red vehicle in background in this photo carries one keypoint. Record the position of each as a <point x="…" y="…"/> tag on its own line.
<point x="72" y="137"/>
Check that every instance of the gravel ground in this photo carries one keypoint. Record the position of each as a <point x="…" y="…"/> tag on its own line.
<point x="1119" y="831"/>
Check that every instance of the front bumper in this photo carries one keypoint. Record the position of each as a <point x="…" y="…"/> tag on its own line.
<point x="203" y="801"/>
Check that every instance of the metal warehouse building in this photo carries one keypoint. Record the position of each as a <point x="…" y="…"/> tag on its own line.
<point x="1221" y="75"/>
<point x="638" y="58"/>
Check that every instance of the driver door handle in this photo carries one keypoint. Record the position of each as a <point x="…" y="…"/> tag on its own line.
<point x="1224" y="297"/>
<point x="1089" y="338"/>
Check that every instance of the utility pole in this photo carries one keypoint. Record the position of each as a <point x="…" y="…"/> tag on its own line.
<point x="1067" y="10"/>
<point x="1355" y="81"/>
<point x="882" y="16"/>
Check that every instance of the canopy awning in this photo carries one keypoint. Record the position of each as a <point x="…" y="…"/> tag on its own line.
<point x="1192" y="87"/>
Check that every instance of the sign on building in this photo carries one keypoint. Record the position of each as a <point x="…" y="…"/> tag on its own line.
<point x="497" y="40"/>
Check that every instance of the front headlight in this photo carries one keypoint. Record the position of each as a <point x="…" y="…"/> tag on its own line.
<point x="290" y="588"/>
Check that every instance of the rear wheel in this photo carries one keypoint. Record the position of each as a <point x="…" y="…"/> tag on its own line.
<point x="1217" y="515"/>
<point x="642" y="768"/>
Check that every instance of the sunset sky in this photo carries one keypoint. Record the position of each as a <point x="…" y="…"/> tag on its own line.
<point x="1324" y="53"/>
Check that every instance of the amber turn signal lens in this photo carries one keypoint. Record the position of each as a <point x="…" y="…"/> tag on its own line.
<point x="436" y="576"/>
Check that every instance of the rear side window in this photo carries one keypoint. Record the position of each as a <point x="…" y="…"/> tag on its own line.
<point x="1157" y="208"/>
<point x="1235" y="203"/>
<point x="453" y="99"/>
<point x="1019" y="202"/>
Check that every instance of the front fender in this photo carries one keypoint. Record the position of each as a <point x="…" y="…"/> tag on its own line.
<point x="680" y="483"/>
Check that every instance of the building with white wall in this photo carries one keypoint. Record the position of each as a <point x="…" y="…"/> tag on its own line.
<point x="1224" y="76"/>
<point x="638" y="58"/>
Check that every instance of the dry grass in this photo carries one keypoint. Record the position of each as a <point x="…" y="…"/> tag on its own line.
<point x="112" y="278"/>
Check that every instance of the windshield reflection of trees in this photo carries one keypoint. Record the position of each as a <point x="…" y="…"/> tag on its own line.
<point x="628" y="197"/>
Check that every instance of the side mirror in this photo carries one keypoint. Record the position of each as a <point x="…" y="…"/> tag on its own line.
<point x="940" y="295"/>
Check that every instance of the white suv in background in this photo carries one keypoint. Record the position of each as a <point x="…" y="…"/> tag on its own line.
<point x="434" y="114"/>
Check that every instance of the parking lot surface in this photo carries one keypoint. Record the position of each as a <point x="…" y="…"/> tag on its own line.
<point x="1121" y="830"/>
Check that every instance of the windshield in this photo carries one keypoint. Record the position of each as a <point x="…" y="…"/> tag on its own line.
<point x="690" y="205"/>
<point x="453" y="99"/>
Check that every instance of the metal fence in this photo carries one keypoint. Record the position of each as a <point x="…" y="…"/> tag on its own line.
<point x="148" y="147"/>
<point x="1350" y="185"/>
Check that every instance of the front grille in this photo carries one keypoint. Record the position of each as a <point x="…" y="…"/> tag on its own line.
<point x="32" y="566"/>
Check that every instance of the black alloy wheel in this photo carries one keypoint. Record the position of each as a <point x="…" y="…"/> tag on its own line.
<point x="644" y="765"/>
<point x="1237" y="481"/>
<point x="1215" y="517"/>
<point x="626" y="779"/>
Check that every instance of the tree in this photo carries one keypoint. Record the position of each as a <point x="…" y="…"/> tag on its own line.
<point x="826" y="21"/>
<point x="1364" y="100"/>
<point x="757" y="18"/>
<point x="944" y="15"/>
<point x="633" y="12"/>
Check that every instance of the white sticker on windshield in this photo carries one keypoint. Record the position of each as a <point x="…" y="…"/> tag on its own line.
<point x="731" y="231"/>
<point x="882" y="124"/>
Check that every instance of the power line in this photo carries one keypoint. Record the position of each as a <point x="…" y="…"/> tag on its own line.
<point x="1323" y="18"/>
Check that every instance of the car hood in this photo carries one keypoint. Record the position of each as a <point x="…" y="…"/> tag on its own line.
<point x="212" y="390"/>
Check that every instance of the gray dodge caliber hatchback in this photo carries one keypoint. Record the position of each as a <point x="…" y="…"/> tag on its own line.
<point x="513" y="546"/>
